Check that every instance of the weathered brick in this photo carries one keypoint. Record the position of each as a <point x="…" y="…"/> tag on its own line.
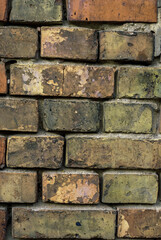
<point x="159" y="3"/>
<point x="36" y="79"/>
<point x="79" y="187"/>
<point x="18" y="186"/>
<point x="133" y="116"/>
<point x="3" y="10"/>
<point x="136" y="82"/>
<point x="78" y="80"/>
<point x="112" y="11"/>
<point x="76" y="222"/>
<point x="36" y="11"/>
<point x="18" y="115"/>
<point x="139" y="222"/>
<point x="113" y="151"/>
<point x="69" y="43"/>
<point x="2" y="151"/>
<point x="71" y="115"/>
<point x="88" y="81"/>
<point x="39" y="151"/>
<point x="127" y="46"/>
<point x="3" y="79"/>
<point x="129" y="187"/>
<point x="18" y="42"/>
<point x="3" y="223"/>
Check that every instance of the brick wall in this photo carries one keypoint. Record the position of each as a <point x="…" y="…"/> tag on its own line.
<point x="80" y="119"/>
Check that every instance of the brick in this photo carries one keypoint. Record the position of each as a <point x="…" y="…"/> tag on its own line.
<point x="138" y="82"/>
<point x="129" y="187"/>
<point x="39" y="151"/>
<point x="18" y="115"/>
<point x="3" y="223"/>
<point x="3" y="79"/>
<point x="72" y="187"/>
<point x="112" y="11"/>
<point x="113" y="151"/>
<point x="159" y="3"/>
<point x="127" y="46"/>
<point x="18" y="186"/>
<point x="133" y="116"/>
<point x="36" y="11"/>
<point x="71" y="115"/>
<point x="2" y="151"/>
<point x="36" y="79"/>
<point x="88" y="81"/>
<point x="3" y="10"/>
<point x="69" y="43"/>
<point x="76" y="222"/>
<point x="18" y="42"/>
<point x="139" y="222"/>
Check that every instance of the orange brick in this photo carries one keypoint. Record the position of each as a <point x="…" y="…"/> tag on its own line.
<point x="71" y="187"/>
<point x="3" y="79"/>
<point x="2" y="151"/>
<point x="3" y="222"/>
<point x="115" y="10"/>
<point x="3" y="10"/>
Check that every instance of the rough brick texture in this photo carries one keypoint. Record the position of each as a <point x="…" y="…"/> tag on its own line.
<point x="3" y="79"/>
<point x="3" y="10"/>
<point x="80" y="119"/>
<point x="18" y="115"/>
<point x="103" y="151"/>
<point x="138" y="82"/>
<point x="18" y="186"/>
<point x="69" y="43"/>
<point x="71" y="187"/>
<point x="129" y="187"/>
<point x="89" y="81"/>
<point x="127" y="46"/>
<point x="35" y="151"/>
<point x="3" y="222"/>
<point x="72" y="222"/>
<point x="62" y="80"/>
<point x="71" y="115"/>
<point x="135" y="117"/>
<point x="18" y="42"/>
<point x="2" y="151"/>
<point x="139" y="222"/>
<point x="116" y="10"/>
<point x="36" y="11"/>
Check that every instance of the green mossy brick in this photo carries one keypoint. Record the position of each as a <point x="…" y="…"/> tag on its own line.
<point x="139" y="82"/>
<point x="130" y="187"/>
<point x="125" y="116"/>
<point x="36" y="11"/>
<point x="71" y="115"/>
<point x="61" y="222"/>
